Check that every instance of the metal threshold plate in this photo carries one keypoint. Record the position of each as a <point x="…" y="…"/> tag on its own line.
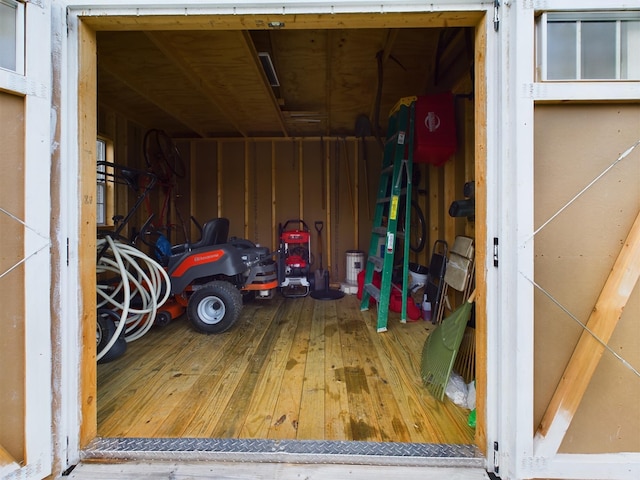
<point x="292" y="451"/>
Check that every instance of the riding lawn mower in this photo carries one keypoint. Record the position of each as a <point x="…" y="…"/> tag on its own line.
<point x="209" y="279"/>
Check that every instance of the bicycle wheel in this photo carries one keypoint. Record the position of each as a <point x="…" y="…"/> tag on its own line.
<point x="162" y="156"/>
<point x="171" y="154"/>
<point x="417" y="227"/>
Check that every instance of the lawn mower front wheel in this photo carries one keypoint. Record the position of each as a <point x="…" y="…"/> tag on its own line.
<point x="215" y="307"/>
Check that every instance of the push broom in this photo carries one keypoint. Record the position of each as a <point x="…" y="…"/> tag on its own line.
<point x="441" y="347"/>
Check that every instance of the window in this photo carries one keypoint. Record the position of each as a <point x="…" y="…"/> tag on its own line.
<point x="12" y="36"/>
<point x="104" y="179"/>
<point x="589" y="46"/>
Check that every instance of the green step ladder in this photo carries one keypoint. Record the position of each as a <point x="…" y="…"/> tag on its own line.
<point x="395" y="183"/>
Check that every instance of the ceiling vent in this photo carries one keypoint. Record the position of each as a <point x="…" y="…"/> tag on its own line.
<point x="269" y="69"/>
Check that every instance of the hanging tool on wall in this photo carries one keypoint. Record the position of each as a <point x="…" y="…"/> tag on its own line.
<point x="363" y="130"/>
<point x="343" y="142"/>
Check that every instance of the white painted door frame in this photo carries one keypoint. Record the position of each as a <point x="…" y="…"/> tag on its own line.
<point x="141" y="7"/>
<point x="516" y="454"/>
<point x="35" y="86"/>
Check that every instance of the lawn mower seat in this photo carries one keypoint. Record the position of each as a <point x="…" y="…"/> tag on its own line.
<point x="214" y="232"/>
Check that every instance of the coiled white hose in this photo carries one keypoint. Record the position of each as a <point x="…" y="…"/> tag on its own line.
<point x="139" y="276"/>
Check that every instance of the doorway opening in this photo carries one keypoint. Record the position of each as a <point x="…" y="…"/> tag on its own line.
<point x="262" y="173"/>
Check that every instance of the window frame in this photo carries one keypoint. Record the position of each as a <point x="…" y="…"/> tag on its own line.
<point x="578" y="17"/>
<point x="19" y="37"/>
<point x="107" y="205"/>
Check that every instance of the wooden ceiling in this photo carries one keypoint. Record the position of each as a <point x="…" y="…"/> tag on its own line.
<point x="211" y="83"/>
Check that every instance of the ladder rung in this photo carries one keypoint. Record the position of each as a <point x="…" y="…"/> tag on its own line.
<point x="387" y="170"/>
<point x="377" y="261"/>
<point x="392" y="138"/>
<point x="379" y="231"/>
<point x="384" y="200"/>
<point x="372" y="290"/>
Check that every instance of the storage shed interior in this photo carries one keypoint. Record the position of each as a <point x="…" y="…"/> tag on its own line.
<point x="321" y="123"/>
<point x="275" y="121"/>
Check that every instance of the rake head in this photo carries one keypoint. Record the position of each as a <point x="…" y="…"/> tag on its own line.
<point x="440" y="350"/>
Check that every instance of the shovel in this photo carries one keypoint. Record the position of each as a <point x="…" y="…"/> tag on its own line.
<point x="321" y="276"/>
<point x="319" y="272"/>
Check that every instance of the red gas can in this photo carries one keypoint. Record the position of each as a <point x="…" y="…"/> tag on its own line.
<point x="435" y="130"/>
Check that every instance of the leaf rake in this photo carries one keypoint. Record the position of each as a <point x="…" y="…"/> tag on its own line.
<point x="441" y="347"/>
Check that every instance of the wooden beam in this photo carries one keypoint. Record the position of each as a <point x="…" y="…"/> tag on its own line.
<point x="8" y="464"/>
<point x="291" y="21"/>
<point x="274" y="212"/>
<point x="586" y="356"/>
<point x="87" y="133"/>
<point x="326" y="252"/>
<point x="6" y="458"/>
<point x="219" y="169"/>
<point x="451" y="171"/>
<point x="247" y="187"/>
<point x="265" y="139"/>
<point x="328" y="80"/>
<point x="251" y="51"/>
<point x="300" y="181"/>
<point x="356" y="195"/>
<point x="193" y="197"/>
<point x="481" y="233"/>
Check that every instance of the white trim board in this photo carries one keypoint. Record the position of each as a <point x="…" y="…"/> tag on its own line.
<point x="609" y="466"/>
<point x="577" y="91"/>
<point x="279" y="471"/>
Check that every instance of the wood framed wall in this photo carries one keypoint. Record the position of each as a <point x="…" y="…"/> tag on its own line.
<point x="262" y="183"/>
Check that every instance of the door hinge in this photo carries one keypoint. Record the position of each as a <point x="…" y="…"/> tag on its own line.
<point x="496" y="460"/>
<point x="496" y="15"/>
<point x="67" y="251"/>
<point x="68" y="471"/>
<point x="495" y="251"/>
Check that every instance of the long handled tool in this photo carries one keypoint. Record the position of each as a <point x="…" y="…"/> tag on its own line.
<point x="322" y="290"/>
<point x="441" y="347"/>
<point x="363" y="130"/>
<point x="319" y="272"/>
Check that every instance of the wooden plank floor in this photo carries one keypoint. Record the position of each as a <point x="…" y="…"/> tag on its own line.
<point x="289" y="369"/>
